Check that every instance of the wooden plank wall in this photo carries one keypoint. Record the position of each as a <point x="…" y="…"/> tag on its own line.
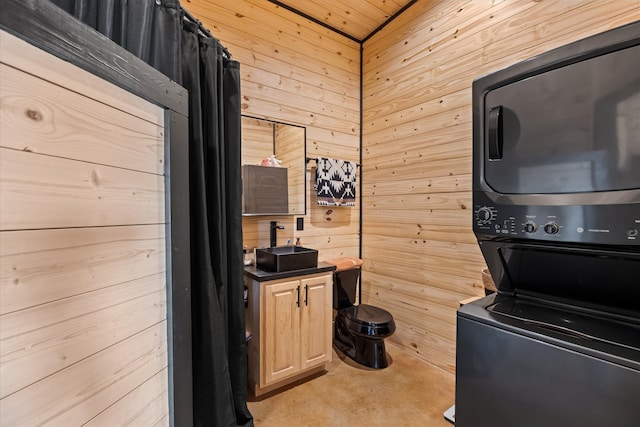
<point x="257" y="140"/>
<point x="297" y="72"/>
<point x="356" y="18"/>
<point x="83" y="322"/>
<point x="290" y="151"/>
<point x="420" y="254"/>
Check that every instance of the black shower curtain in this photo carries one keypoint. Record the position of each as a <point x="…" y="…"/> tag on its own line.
<point x="155" y="31"/>
<point x="217" y="269"/>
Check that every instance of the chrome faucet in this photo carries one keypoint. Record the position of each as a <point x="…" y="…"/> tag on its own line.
<point x="273" y="228"/>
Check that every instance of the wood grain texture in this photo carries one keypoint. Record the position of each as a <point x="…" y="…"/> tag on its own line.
<point x="83" y="276"/>
<point x="356" y="19"/>
<point x="257" y="140"/>
<point x="75" y="395"/>
<point x="290" y="323"/>
<point x="74" y="193"/>
<point x="39" y="117"/>
<point x="316" y="332"/>
<point x="279" y="331"/>
<point x="419" y="251"/>
<point x="146" y="405"/>
<point x="42" y="266"/>
<point x="416" y="171"/>
<point x="88" y="50"/>
<point x="42" y="340"/>
<point x="295" y="71"/>
<point x="289" y="144"/>
<point x="298" y="35"/>
<point x="21" y="55"/>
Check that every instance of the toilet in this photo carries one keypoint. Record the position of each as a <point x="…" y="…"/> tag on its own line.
<point x="359" y="330"/>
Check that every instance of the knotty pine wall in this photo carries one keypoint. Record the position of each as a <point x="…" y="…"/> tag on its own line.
<point x="297" y="72"/>
<point x="257" y="140"/>
<point x="420" y="255"/>
<point x="290" y="152"/>
<point x="83" y="316"/>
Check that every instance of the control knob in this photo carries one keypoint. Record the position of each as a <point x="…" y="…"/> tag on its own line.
<point x="484" y="215"/>
<point x="530" y="227"/>
<point x="551" y="228"/>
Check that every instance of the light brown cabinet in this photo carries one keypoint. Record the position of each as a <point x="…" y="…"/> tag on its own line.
<point x="290" y="323"/>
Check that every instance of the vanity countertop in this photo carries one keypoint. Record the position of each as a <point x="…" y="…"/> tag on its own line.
<point x="262" y="276"/>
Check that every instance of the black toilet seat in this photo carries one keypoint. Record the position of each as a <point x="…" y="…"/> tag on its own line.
<point x="368" y="320"/>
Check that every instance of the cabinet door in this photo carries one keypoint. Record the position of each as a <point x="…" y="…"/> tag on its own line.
<point x="280" y="329"/>
<point x="315" y="329"/>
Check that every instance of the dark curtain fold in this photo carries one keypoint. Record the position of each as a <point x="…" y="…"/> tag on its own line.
<point x="156" y="32"/>
<point x="220" y="381"/>
<point x="232" y="160"/>
<point x="216" y="233"/>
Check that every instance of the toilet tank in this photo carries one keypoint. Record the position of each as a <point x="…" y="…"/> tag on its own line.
<point x="345" y="283"/>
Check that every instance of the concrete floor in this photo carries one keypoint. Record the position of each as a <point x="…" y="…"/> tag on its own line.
<point x="409" y="392"/>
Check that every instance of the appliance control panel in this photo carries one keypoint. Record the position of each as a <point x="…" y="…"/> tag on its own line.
<point x="598" y="224"/>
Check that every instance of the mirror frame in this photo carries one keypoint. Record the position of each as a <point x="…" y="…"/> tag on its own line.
<point x="303" y="163"/>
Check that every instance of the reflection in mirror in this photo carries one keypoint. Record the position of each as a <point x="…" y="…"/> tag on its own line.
<point x="260" y="140"/>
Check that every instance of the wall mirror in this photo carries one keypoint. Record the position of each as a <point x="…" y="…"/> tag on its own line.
<point x="263" y="187"/>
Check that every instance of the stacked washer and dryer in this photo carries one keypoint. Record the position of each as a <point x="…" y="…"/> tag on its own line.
<point x="556" y="194"/>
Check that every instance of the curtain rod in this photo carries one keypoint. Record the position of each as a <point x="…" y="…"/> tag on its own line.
<point x="308" y="159"/>
<point x="203" y="29"/>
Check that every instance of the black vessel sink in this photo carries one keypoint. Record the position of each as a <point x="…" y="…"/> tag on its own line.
<point x="286" y="258"/>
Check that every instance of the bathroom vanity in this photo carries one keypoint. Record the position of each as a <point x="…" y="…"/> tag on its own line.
<point x="289" y="321"/>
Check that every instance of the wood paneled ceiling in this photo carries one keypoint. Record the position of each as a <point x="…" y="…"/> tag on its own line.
<point x="356" y="19"/>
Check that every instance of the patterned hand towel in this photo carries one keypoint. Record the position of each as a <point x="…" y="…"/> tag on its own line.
<point x="335" y="182"/>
